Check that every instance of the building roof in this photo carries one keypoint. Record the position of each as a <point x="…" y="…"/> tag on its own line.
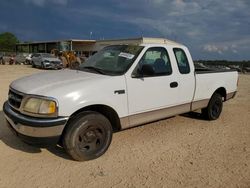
<point x="158" y="41"/>
<point x="140" y="40"/>
<point x="55" y="41"/>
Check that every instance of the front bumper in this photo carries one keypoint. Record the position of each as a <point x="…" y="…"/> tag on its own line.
<point x="37" y="131"/>
<point x="53" y="66"/>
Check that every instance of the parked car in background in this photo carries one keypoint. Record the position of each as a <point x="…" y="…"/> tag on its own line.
<point x="46" y="61"/>
<point x="20" y="58"/>
<point x="246" y="69"/>
<point x="5" y="59"/>
<point x="12" y="60"/>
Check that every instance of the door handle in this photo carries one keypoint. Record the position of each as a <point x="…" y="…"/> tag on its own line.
<point x="122" y="91"/>
<point x="173" y="84"/>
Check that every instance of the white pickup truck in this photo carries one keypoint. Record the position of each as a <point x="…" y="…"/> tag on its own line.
<point x="121" y="86"/>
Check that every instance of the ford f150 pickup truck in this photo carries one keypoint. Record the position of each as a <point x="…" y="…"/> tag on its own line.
<point x="119" y="87"/>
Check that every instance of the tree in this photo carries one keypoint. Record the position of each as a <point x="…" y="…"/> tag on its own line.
<point x="8" y="42"/>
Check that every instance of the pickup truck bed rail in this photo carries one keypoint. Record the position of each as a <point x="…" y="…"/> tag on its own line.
<point x="205" y="71"/>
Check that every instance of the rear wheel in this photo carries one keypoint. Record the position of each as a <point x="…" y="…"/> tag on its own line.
<point x="214" y="108"/>
<point x="88" y="136"/>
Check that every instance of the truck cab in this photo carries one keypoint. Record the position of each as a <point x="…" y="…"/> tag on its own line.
<point x="167" y="72"/>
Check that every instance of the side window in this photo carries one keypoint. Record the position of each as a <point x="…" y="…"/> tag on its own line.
<point x="182" y="61"/>
<point x="155" y="62"/>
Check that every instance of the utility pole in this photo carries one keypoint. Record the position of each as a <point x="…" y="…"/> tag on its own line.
<point x="90" y="35"/>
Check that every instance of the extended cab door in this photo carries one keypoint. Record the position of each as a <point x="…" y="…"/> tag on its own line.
<point x="155" y="89"/>
<point x="184" y="76"/>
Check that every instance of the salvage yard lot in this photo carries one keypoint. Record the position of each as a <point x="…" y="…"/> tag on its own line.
<point x="183" y="151"/>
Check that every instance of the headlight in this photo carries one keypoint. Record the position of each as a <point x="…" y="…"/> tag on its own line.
<point x="40" y="106"/>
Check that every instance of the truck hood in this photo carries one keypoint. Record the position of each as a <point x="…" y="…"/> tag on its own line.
<point x="41" y="83"/>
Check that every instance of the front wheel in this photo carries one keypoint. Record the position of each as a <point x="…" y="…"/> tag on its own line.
<point x="87" y="136"/>
<point x="214" y="108"/>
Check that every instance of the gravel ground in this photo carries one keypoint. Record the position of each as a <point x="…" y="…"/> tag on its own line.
<point x="183" y="151"/>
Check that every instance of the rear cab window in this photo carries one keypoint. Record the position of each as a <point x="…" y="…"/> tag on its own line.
<point x="182" y="61"/>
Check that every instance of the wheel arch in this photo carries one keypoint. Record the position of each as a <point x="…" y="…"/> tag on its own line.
<point x="105" y="110"/>
<point x="222" y="91"/>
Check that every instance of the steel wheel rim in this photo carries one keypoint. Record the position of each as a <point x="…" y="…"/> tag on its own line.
<point x="91" y="139"/>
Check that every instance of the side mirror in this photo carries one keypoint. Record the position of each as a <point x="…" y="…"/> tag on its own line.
<point x="145" y="70"/>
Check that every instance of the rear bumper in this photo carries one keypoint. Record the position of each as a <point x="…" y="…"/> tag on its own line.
<point x="37" y="131"/>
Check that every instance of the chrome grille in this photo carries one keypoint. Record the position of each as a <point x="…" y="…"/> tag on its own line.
<point x="15" y="99"/>
<point x="56" y="62"/>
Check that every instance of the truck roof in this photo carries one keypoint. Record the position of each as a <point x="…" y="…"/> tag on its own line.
<point x="139" y="41"/>
<point x="147" y="40"/>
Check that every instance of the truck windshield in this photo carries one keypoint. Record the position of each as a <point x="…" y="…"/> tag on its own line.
<point x="112" y="60"/>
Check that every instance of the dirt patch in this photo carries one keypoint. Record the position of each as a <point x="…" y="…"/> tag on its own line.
<point x="183" y="151"/>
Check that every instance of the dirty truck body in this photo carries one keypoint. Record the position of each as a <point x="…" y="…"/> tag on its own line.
<point x="120" y="87"/>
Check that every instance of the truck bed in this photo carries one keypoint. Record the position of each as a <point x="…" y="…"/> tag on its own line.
<point x="209" y="80"/>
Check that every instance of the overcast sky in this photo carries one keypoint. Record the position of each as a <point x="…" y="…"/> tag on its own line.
<point x="211" y="29"/>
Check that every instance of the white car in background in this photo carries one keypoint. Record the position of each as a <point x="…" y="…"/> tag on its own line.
<point x="46" y="61"/>
<point x="20" y="59"/>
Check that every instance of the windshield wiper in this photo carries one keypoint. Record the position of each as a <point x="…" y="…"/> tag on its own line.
<point x="95" y="69"/>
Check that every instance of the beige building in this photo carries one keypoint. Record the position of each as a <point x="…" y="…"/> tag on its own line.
<point x="81" y="47"/>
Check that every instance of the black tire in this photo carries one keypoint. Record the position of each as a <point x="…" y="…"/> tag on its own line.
<point x="214" y="108"/>
<point x="87" y="136"/>
<point x="33" y="64"/>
